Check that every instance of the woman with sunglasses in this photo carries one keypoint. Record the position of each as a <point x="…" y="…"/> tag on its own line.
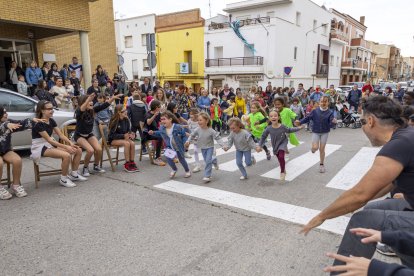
<point x="83" y="136"/>
<point x="120" y="135"/>
<point x="44" y="145"/>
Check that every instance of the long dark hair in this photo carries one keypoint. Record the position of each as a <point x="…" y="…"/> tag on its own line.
<point x="168" y="114"/>
<point x="40" y="106"/>
<point x="113" y="123"/>
<point x="81" y="100"/>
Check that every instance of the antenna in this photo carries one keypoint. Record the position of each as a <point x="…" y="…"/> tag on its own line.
<point x="209" y="6"/>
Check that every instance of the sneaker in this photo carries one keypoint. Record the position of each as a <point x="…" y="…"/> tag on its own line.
<point x="76" y="177"/>
<point x="85" y="172"/>
<point x="134" y="165"/>
<point x="321" y="168"/>
<point x="187" y="155"/>
<point x="385" y="250"/>
<point x="4" y="193"/>
<point x="268" y="156"/>
<point x="128" y="167"/>
<point x="216" y="165"/>
<point x="19" y="191"/>
<point x="159" y="162"/>
<point x="196" y="169"/>
<point x="187" y="175"/>
<point x="243" y="177"/>
<point x="97" y="169"/>
<point x="172" y="174"/>
<point x="67" y="183"/>
<point x="282" y="176"/>
<point x="206" y="179"/>
<point x="253" y="160"/>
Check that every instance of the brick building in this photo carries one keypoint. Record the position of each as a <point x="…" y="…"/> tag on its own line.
<point x="56" y="31"/>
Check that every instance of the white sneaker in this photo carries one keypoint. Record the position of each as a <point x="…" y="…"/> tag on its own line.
<point x="4" y="193"/>
<point x="282" y="176"/>
<point x="19" y="191"/>
<point x="243" y="177"/>
<point x="187" y="175"/>
<point x="97" y="169"/>
<point x="196" y="169"/>
<point x="206" y="179"/>
<point x="172" y="174"/>
<point x="85" y="172"/>
<point x="321" y="168"/>
<point x="76" y="177"/>
<point x="187" y="155"/>
<point x="67" y="183"/>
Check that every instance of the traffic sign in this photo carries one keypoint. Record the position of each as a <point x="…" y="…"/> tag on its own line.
<point x="152" y="61"/>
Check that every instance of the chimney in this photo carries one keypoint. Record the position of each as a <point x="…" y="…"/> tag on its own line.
<point x="362" y="20"/>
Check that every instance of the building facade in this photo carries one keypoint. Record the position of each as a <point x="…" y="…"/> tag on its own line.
<point x="389" y="62"/>
<point x="26" y="34"/>
<point x="180" y="50"/>
<point x="271" y="35"/>
<point x="131" y="45"/>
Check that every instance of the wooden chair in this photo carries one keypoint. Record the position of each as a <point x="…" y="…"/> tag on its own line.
<point x="7" y="180"/>
<point x="66" y="130"/>
<point x="151" y="153"/>
<point x="38" y="173"/>
<point x="107" y="148"/>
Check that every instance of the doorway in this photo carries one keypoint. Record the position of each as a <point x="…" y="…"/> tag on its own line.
<point x="6" y="59"/>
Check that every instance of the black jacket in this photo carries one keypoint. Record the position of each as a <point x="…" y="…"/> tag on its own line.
<point x="146" y="89"/>
<point x="5" y="133"/>
<point x="44" y="95"/>
<point x="118" y="132"/>
<point x="136" y="113"/>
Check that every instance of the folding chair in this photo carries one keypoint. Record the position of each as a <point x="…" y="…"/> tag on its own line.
<point x="38" y="173"/>
<point x="151" y="152"/>
<point x="107" y="148"/>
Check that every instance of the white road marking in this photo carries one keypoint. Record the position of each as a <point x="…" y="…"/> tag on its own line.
<point x="354" y="170"/>
<point x="280" y="210"/>
<point x="231" y="166"/>
<point x="299" y="165"/>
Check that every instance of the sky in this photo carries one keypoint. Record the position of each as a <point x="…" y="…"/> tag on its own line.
<point x="388" y="21"/>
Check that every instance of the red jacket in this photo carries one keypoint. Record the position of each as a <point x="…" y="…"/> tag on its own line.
<point x="212" y="112"/>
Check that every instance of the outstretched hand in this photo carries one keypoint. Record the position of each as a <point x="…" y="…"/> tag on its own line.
<point x="12" y="126"/>
<point x="297" y="123"/>
<point x="313" y="223"/>
<point x="354" y="265"/>
<point x="370" y="234"/>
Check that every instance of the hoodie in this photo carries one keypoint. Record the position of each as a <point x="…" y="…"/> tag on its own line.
<point x="136" y="113"/>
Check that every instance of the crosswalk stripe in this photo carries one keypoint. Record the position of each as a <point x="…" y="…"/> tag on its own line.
<point x="299" y="165"/>
<point x="219" y="152"/>
<point x="354" y="170"/>
<point x="231" y="166"/>
<point x="276" y="209"/>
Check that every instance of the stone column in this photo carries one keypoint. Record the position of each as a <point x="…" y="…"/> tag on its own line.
<point x="86" y="59"/>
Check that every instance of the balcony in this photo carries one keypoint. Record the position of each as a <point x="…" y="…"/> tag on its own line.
<point x="355" y="64"/>
<point x="244" y="22"/>
<point x="185" y="68"/>
<point x="236" y="61"/>
<point x="336" y="34"/>
<point x="359" y="42"/>
<point x="322" y="71"/>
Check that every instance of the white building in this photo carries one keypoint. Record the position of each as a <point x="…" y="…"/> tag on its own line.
<point x="131" y="45"/>
<point x="284" y="33"/>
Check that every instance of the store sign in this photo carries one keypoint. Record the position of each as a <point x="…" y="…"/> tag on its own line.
<point x="248" y="77"/>
<point x="184" y="68"/>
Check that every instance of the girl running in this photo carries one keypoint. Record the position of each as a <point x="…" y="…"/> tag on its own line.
<point x="244" y="143"/>
<point x="192" y="126"/>
<point x="174" y="136"/>
<point x="120" y="135"/>
<point x="83" y="135"/>
<point x="44" y="145"/>
<point x="257" y="124"/>
<point x="287" y="116"/>
<point x="322" y="119"/>
<point x="205" y="136"/>
<point x="278" y="136"/>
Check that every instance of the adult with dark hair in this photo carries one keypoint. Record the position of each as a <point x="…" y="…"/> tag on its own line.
<point x="51" y="75"/>
<point x="33" y="75"/>
<point x="388" y="92"/>
<point x="151" y="122"/>
<point x="93" y="89"/>
<point x="408" y="98"/>
<point x="75" y="66"/>
<point x="45" y="69"/>
<point x="102" y="78"/>
<point x="399" y="94"/>
<point x="182" y="101"/>
<point x="354" y="97"/>
<point x="146" y="86"/>
<point x="14" y="73"/>
<point x="299" y="91"/>
<point x="43" y="95"/>
<point x="393" y="168"/>
<point x="64" y="72"/>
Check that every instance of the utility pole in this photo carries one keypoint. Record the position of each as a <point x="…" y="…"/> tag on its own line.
<point x="209" y="7"/>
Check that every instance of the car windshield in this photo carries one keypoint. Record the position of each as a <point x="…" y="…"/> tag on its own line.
<point x="386" y="84"/>
<point x="16" y="103"/>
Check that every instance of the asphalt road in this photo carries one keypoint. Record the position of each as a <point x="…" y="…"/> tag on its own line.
<point x="120" y="224"/>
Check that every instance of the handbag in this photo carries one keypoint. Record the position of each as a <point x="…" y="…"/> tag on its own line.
<point x="169" y="152"/>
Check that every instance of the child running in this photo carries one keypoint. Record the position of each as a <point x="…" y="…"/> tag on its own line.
<point x="278" y="138"/>
<point x="322" y="119"/>
<point x="120" y="135"/>
<point x="174" y="136"/>
<point x="192" y="126"/>
<point x="258" y="115"/>
<point x="205" y="136"/>
<point x="244" y="143"/>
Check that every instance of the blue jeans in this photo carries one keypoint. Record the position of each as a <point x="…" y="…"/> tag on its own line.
<point x="209" y="159"/>
<point x="182" y="161"/>
<point x="247" y="159"/>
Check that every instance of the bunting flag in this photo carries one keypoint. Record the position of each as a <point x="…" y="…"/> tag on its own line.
<point x="235" y="25"/>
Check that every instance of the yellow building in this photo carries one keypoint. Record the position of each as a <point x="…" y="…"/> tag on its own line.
<point x="56" y="31"/>
<point x="180" y="48"/>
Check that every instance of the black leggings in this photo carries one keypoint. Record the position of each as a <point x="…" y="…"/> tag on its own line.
<point x="158" y="146"/>
<point x="216" y="125"/>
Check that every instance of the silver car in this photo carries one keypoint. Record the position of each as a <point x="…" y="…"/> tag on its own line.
<point x="20" y="107"/>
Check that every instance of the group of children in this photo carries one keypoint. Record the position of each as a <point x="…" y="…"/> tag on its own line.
<point x="158" y="123"/>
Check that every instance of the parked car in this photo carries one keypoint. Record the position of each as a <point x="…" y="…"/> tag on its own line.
<point x="345" y="89"/>
<point x="404" y="85"/>
<point x="360" y="84"/>
<point x="20" y="107"/>
<point x="383" y="85"/>
<point x="377" y="88"/>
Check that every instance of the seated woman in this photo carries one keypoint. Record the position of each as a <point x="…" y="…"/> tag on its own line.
<point x="43" y="145"/>
<point x="120" y="135"/>
<point x="7" y="127"/>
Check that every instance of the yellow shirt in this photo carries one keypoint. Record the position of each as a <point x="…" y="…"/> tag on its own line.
<point x="240" y="106"/>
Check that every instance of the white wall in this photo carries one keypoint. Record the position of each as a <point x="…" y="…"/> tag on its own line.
<point x="134" y="27"/>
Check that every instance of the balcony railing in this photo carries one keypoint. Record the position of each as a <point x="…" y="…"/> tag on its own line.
<point x="244" y="22"/>
<point x="357" y="64"/>
<point x="322" y="70"/>
<point x="339" y="35"/>
<point x="235" y="61"/>
<point x="359" y="42"/>
<point x="186" y="68"/>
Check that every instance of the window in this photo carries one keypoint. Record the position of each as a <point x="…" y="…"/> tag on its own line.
<point x="145" y="65"/>
<point x="325" y="29"/>
<point x="313" y="57"/>
<point x="337" y="61"/>
<point x="128" y="41"/>
<point x="144" y="39"/>
<point x="14" y="103"/>
<point x="218" y="52"/>
<point x="331" y="62"/>
<point x="315" y="25"/>
<point x="244" y="17"/>
<point x="295" y="53"/>
<point x="135" y="69"/>
<point x="297" y="18"/>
